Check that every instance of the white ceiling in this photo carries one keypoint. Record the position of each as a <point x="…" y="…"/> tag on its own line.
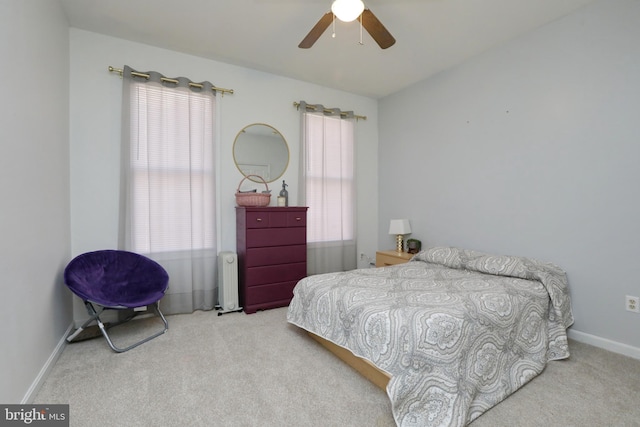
<point x="431" y="35"/>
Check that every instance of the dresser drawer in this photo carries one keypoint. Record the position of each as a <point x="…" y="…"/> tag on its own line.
<point x="277" y="292"/>
<point x="276" y="219"/>
<point x="296" y="219"/>
<point x="266" y="219"/>
<point x="386" y="258"/>
<point x="256" y="276"/>
<point x="262" y="237"/>
<point x="276" y="255"/>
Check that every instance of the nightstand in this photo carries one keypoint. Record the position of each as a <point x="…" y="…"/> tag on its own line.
<point x="385" y="258"/>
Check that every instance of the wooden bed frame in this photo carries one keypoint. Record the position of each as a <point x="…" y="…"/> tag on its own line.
<point x="364" y="367"/>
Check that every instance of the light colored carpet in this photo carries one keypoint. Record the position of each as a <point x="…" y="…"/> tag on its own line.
<point x="257" y="370"/>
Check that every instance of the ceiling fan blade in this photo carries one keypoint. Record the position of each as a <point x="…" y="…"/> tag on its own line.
<point x="316" y="31"/>
<point x="375" y="28"/>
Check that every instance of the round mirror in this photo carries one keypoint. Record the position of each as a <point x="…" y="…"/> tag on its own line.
<point x="259" y="149"/>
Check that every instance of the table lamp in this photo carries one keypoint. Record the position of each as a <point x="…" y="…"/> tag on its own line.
<point x="399" y="227"/>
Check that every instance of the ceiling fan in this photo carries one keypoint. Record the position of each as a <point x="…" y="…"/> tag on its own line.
<point x="347" y="11"/>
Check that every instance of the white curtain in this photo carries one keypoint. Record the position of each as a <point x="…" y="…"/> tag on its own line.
<point x="168" y="183"/>
<point x="327" y="174"/>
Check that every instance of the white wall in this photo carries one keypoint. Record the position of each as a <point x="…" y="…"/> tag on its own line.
<point x="259" y="98"/>
<point x="34" y="191"/>
<point x="532" y="149"/>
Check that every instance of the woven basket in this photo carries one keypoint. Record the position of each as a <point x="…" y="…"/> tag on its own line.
<point x="253" y="199"/>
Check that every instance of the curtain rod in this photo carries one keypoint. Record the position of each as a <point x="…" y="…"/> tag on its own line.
<point x="326" y="110"/>
<point x="164" y="79"/>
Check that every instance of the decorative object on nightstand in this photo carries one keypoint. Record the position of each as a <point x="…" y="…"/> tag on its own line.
<point x="414" y="246"/>
<point x="386" y="258"/>
<point x="399" y="227"/>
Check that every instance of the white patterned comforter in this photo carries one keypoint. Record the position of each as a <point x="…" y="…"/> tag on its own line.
<point x="457" y="330"/>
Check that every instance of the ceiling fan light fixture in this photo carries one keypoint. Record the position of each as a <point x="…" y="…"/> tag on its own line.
<point x="347" y="10"/>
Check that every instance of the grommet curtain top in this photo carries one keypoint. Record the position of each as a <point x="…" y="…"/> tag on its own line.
<point x="319" y="108"/>
<point x="154" y="76"/>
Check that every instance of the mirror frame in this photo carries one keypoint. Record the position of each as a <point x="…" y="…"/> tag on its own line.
<point x="276" y="132"/>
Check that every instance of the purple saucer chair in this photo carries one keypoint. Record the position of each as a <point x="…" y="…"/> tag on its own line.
<point x="117" y="280"/>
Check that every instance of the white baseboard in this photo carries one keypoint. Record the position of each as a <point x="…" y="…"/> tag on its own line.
<point x="44" y="372"/>
<point x="604" y="343"/>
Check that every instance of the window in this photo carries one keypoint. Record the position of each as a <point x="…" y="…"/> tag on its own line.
<point x="329" y="178"/>
<point x="172" y="179"/>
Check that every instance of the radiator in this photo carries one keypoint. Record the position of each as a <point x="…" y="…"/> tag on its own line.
<point x="228" y="282"/>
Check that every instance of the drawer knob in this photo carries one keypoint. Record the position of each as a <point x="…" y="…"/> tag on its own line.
<point x="298" y="218"/>
<point x="259" y="219"/>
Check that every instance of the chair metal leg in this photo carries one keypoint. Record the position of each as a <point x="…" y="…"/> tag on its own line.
<point x="80" y="329"/>
<point x="95" y="315"/>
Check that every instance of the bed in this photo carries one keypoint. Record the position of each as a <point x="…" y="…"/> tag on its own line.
<point x="449" y="334"/>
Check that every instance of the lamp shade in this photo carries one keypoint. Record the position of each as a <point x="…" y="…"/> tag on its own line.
<point x="399" y="226"/>
<point x="347" y="10"/>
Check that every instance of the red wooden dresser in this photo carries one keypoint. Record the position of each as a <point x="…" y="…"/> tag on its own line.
<point x="272" y="254"/>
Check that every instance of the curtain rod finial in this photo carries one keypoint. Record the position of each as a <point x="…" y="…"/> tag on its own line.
<point x="116" y="70"/>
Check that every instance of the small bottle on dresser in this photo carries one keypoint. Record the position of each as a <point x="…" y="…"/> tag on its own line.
<point x="283" y="197"/>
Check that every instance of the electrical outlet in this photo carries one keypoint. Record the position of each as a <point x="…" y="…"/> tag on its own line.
<point x="632" y="303"/>
<point x="367" y="259"/>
